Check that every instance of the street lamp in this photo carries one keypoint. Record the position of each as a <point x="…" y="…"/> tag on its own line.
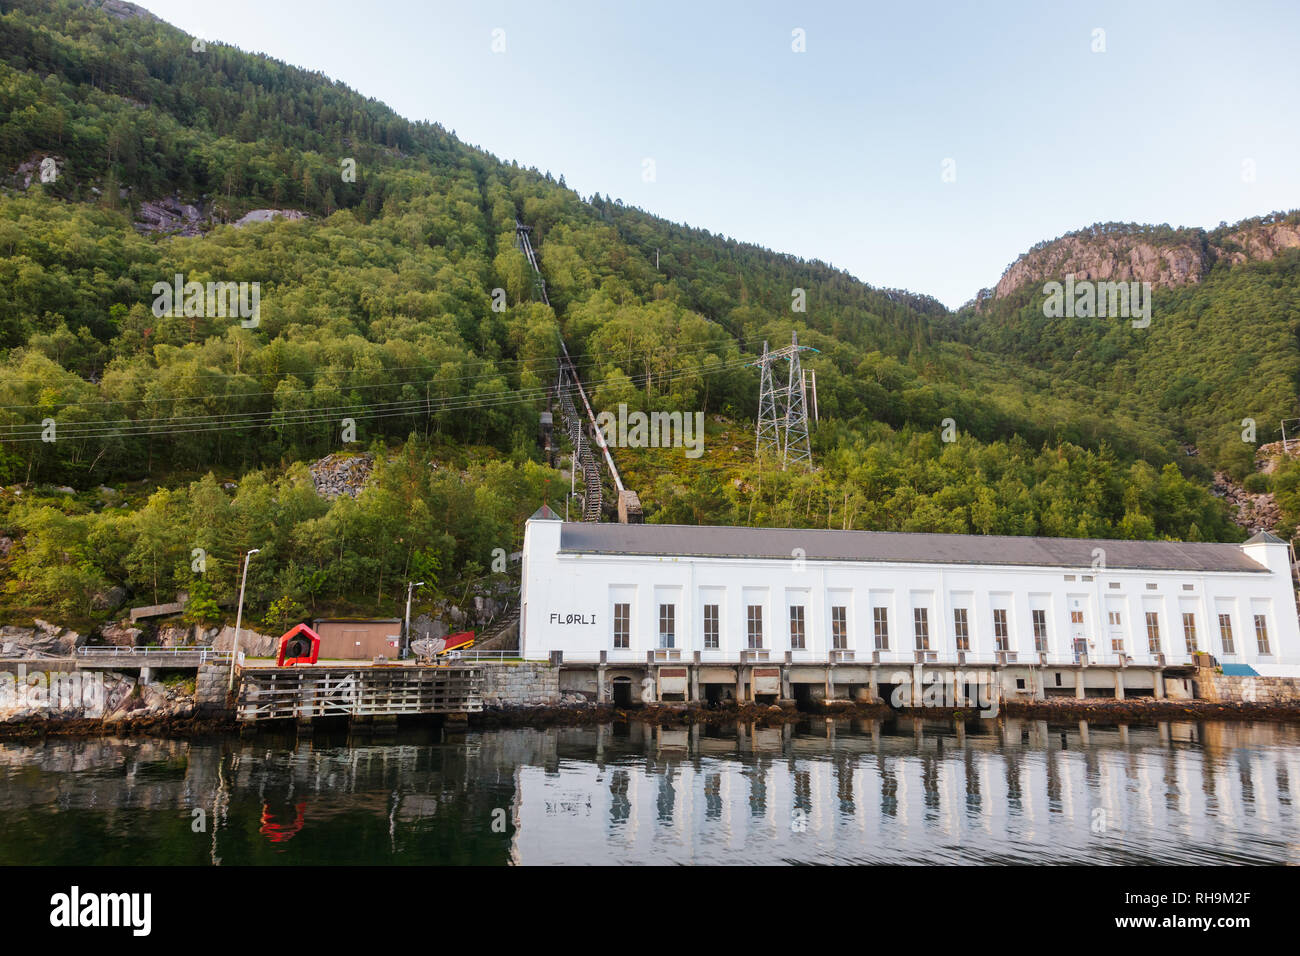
<point x="239" y="618"/>
<point x="410" y="586"/>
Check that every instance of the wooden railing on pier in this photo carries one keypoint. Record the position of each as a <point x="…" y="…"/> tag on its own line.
<point x="358" y="691"/>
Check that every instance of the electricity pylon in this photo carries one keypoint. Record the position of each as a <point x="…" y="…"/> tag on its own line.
<point x="783" y="410"/>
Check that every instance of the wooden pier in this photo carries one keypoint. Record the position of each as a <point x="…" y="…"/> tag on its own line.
<point x="288" y="693"/>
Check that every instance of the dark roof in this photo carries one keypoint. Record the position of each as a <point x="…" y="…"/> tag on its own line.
<point x="544" y="513"/>
<point x="905" y="547"/>
<point x="1265" y="537"/>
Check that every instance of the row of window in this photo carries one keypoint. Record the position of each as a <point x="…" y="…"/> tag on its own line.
<point x="920" y="628"/>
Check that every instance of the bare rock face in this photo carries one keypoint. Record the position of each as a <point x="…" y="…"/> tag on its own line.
<point x="1164" y="257"/>
<point x="1270" y="455"/>
<point x="110" y="599"/>
<point x="120" y="634"/>
<point x="43" y="640"/>
<point x="30" y="170"/>
<point x="174" y="636"/>
<point x="1107" y="258"/>
<point x="337" y="475"/>
<point x="1259" y="243"/>
<point x="123" y="10"/>
<point x="170" y="217"/>
<point x="250" y="642"/>
<point x="268" y="215"/>
<point x="425" y="627"/>
<point x="1254" y="512"/>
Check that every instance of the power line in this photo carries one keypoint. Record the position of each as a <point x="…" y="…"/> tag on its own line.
<point x="588" y="362"/>
<point x="281" y="418"/>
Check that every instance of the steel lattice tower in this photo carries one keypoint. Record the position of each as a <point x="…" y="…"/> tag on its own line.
<point x="783" y="411"/>
<point x="768" y="432"/>
<point x="796" y="447"/>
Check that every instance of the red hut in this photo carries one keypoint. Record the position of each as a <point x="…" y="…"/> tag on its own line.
<point x="298" y="646"/>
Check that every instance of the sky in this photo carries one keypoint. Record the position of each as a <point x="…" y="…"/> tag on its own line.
<point x="918" y="145"/>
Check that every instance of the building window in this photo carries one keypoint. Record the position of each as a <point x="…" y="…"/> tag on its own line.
<point x="1116" y="622"/>
<point x="1001" y="636"/>
<point x="1114" y="585"/>
<point x="961" y="627"/>
<point x="667" y="625"/>
<point x="796" y="627"/>
<point x="839" y="627"/>
<point x="881" y="615"/>
<point x="754" y="614"/>
<point x="1189" y="631"/>
<point x="921" y="627"/>
<point x="1040" y="630"/>
<point x="1151" y="587"/>
<point x="1261" y="634"/>
<point x="1225" y="634"/>
<point x="711" y="628"/>
<point x="622" y="625"/>
<point x="1153" y="631"/>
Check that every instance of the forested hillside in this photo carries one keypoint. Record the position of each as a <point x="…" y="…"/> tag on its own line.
<point x="180" y="432"/>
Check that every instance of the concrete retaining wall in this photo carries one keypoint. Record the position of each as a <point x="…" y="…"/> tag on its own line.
<point x="524" y="682"/>
<point x="33" y="665"/>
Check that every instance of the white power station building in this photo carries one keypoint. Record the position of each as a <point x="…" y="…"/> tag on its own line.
<point x="705" y="612"/>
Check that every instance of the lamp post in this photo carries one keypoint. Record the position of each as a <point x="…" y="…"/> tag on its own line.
<point x="410" y="586"/>
<point x="239" y="618"/>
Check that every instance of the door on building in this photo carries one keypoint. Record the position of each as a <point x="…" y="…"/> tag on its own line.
<point x="1078" y="634"/>
<point x="622" y="692"/>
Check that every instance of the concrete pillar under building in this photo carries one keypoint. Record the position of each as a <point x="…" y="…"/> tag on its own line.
<point x="1158" y="684"/>
<point x="146" y="675"/>
<point x="875" y="685"/>
<point x="918" y="674"/>
<point x="1119" y="683"/>
<point x="740" y="682"/>
<point x="830" y="681"/>
<point x="1083" y="732"/>
<point x="1079" y="692"/>
<point x="602" y="686"/>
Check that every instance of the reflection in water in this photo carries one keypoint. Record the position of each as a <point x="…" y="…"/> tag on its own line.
<point x="819" y="791"/>
<point x="282" y="832"/>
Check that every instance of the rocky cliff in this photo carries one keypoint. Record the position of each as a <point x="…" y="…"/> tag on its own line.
<point x="1125" y="252"/>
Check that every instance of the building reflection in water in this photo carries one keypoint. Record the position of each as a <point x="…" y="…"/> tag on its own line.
<point x="816" y="791"/>
<point x="910" y="791"/>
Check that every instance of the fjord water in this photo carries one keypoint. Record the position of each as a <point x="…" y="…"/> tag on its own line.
<point x="818" y="791"/>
